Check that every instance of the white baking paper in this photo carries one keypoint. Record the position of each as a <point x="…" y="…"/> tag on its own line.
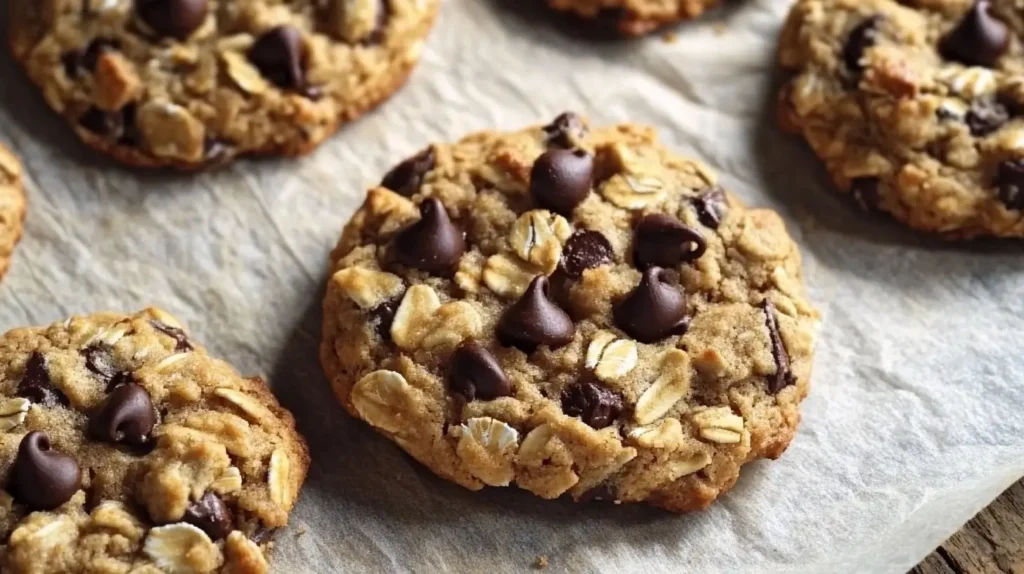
<point x="913" y="424"/>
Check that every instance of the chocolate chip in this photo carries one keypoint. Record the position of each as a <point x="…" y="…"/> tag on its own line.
<point x="383" y="13"/>
<point x="118" y="126"/>
<point x="280" y="55"/>
<point x="433" y="244"/>
<point x="183" y="344"/>
<point x="210" y="515"/>
<point x="654" y="310"/>
<point x="75" y="61"/>
<point x="596" y="405"/>
<point x="41" y="478"/>
<point x="712" y="207"/>
<point x="861" y="38"/>
<point x="36" y="385"/>
<point x="535" y="320"/>
<point x="1009" y="183"/>
<point x="383" y="315"/>
<point x="407" y="177"/>
<point x="561" y="179"/>
<point x="172" y="18"/>
<point x="100" y="360"/>
<point x="865" y="191"/>
<point x="782" y="377"/>
<point x="474" y="373"/>
<point x="978" y="40"/>
<point x="985" y="117"/>
<point x="662" y="240"/>
<point x="263" y="534"/>
<point x="584" y="250"/>
<point x="565" y="131"/>
<point x="126" y="416"/>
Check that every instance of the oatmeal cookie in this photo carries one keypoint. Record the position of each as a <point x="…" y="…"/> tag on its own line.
<point x="573" y="311"/>
<point x="189" y="83"/>
<point x="634" y="17"/>
<point x="125" y="447"/>
<point x="12" y="206"/>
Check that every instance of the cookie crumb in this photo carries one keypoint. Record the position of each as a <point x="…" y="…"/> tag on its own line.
<point x="670" y="37"/>
<point x="541" y="563"/>
<point x="719" y="28"/>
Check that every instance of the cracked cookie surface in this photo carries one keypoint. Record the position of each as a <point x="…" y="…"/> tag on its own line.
<point x="190" y="83"/>
<point x="634" y="17"/>
<point x="12" y="206"/>
<point x="916" y="107"/>
<point x="573" y="311"/>
<point x="126" y="448"/>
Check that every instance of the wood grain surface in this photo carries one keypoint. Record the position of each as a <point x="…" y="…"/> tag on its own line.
<point x="993" y="541"/>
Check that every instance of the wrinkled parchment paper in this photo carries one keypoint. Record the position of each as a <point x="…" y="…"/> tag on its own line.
<point x="914" y="422"/>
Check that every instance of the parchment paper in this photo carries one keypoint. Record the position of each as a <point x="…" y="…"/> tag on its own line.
<point x="914" y="422"/>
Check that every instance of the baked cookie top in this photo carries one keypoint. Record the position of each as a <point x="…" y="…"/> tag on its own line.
<point x="195" y="82"/>
<point x="125" y="447"/>
<point x="12" y="206"/>
<point x="916" y="107"/>
<point x="634" y="17"/>
<point x="572" y="310"/>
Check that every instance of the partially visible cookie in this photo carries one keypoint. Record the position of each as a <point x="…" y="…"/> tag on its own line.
<point x="125" y="447"/>
<point x="12" y="206"/>
<point x="634" y="17"/>
<point x="190" y="83"/>
<point x="916" y="107"/>
<point x="574" y="311"/>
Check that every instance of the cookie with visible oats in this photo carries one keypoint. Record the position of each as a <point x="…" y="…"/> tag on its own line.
<point x="12" y="206"/>
<point x="633" y="17"/>
<point x="916" y="107"/>
<point x="572" y="311"/>
<point x="125" y="447"/>
<point x="190" y="83"/>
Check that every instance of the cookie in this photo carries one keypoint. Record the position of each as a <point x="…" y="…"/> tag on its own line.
<point x="125" y="447"/>
<point x="189" y="83"/>
<point x="573" y="311"/>
<point x="12" y="206"/>
<point x="916" y="108"/>
<point x="633" y="17"/>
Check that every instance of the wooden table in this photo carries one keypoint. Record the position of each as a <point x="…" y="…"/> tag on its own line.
<point x="993" y="541"/>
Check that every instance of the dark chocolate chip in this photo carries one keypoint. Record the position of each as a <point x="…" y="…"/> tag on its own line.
<point x="1009" y="183"/>
<point x="565" y="131"/>
<point x="712" y="207"/>
<point x="585" y="249"/>
<point x="42" y="478"/>
<point x="985" y="117"/>
<point x="535" y="320"/>
<point x="383" y="315"/>
<point x="126" y="416"/>
<point x="783" y="376"/>
<point x="866" y="192"/>
<point x="100" y="360"/>
<point x="978" y="40"/>
<point x="263" y="534"/>
<point x="36" y="385"/>
<point x="407" y="177"/>
<point x="561" y="179"/>
<point x="596" y="405"/>
<point x="861" y="38"/>
<point x="280" y="55"/>
<point x="654" y="310"/>
<point x="183" y="344"/>
<point x="76" y="61"/>
<point x="210" y="515"/>
<point x="474" y="373"/>
<point x="663" y="241"/>
<point x="118" y="126"/>
<point x="433" y="244"/>
<point x="172" y="18"/>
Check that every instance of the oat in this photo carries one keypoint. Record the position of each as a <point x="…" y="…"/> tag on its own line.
<point x="13" y="412"/>
<point x="279" y="479"/>
<point x="250" y="406"/>
<point x="181" y="549"/>
<point x="633" y="191"/>
<point x="488" y="447"/>
<point x="421" y="322"/>
<point x="384" y="399"/>
<point x="538" y="236"/>
<point x="368" y="288"/>
<point x="719" y="425"/>
<point x="664" y="434"/>
<point x="672" y="384"/>
<point x="243" y="73"/>
<point x="354" y="20"/>
<point x="228" y="482"/>
<point x="969" y="83"/>
<point x="508" y="276"/>
<point x="171" y="131"/>
<point x="611" y="358"/>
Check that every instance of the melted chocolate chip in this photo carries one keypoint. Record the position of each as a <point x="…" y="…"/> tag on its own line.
<point x="561" y="179"/>
<point x="126" y="416"/>
<point x="585" y="249"/>
<point x="42" y="478"/>
<point x="172" y="18"/>
<point x="865" y="191"/>
<point x="712" y="207"/>
<point x="566" y="131"/>
<point x="280" y="55"/>
<point x="862" y="37"/>
<point x="663" y="241"/>
<point x="383" y="315"/>
<point x="36" y="385"/>
<point x="433" y="244"/>
<point x="1009" y="183"/>
<point x="654" y="310"/>
<point x="985" y="117"/>
<point x="407" y="177"/>
<point x="210" y="515"/>
<point x="594" y="404"/>
<point x="535" y="320"/>
<point x="183" y="344"/>
<point x="978" y="40"/>
<point x="782" y="377"/>
<point x="474" y="373"/>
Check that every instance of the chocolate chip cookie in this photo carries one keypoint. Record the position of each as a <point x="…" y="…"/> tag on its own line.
<point x="634" y="17"/>
<point x="571" y="310"/>
<point x="916" y="107"/>
<point x="125" y="447"/>
<point x="12" y="206"/>
<point x="189" y="83"/>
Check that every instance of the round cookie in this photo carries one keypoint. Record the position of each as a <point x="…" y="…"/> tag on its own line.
<point x="12" y="206"/>
<point x="916" y="108"/>
<point x="572" y="311"/>
<point x="190" y="83"/>
<point x="634" y="17"/>
<point x="126" y="447"/>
